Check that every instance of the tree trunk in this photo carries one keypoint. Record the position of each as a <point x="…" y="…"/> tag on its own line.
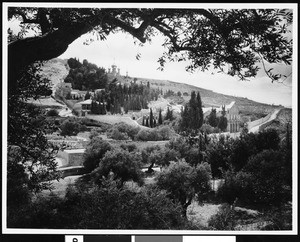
<point x="185" y="206"/>
<point x="24" y="52"/>
<point x="150" y="168"/>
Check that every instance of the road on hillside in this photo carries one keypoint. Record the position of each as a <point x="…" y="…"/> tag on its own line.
<point x="255" y="129"/>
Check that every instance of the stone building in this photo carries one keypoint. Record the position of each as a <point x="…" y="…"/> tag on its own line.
<point x="72" y="157"/>
<point x="233" y="118"/>
<point x="86" y="105"/>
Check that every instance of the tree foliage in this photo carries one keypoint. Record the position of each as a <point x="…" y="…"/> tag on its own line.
<point x="222" y="125"/>
<point x="208" y="38"/>
<point x="70" y="127"/>
<point x="105" y="207"/>
<point x="160" y="118"/>
<point x="121" y="164"/>
<point x="212" y="118"/>
<point x="192" y="114"/>
<point x="183" y="182"/>
<point x="86" y="76"/>
<point x="31" y="165"/>
<point x="261" y="181"/>
<point x="123" y="131"/>
<point x="94" y="152"/>
<point x="134" y="96"/>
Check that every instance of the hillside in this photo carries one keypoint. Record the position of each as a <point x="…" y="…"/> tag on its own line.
<point x="209" y="97"/>
<point x="56" y="70"/>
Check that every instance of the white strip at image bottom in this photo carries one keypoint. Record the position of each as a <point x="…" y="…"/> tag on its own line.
<point x="74" y="238"/>
<point x="208" y="238"/>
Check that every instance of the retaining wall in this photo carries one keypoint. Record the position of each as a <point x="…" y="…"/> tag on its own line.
<point x="258" y="121"/>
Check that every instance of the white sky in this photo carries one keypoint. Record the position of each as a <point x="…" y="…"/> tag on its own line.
<point x="121" y="50"/>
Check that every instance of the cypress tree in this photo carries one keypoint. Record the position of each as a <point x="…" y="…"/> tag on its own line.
<point x="160" y="120"/>
<point x="192" y="113"/>
<point x="151" y="118"/>
<point x="87" y="96"/>
<point x="147" y="121"/>
<point x="193" y="102"/>
<point x="93" y="107"/>
<point x="222" y="125"/>
<point x="185" y="118"/>
<point x="212" y="118"/>
<point x="200" y="111"/>
<point x="169" y="115"/>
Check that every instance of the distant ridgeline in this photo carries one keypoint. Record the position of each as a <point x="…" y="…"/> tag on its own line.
<point x="107" y="94"/>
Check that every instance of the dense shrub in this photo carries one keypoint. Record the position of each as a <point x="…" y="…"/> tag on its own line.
<point x="105" y="207"/>
<point x="94" y="133"/>
<point x="218" y="154"/>
<point x="128" y="146"/>
<point x="117" y="135"/>
<point x="193" y="156"/>
<point x="268" y="178"/>
<point x="179" y="144"/>
<point x="261" y="181"/>
<point x="268" y="139"/>
<point x="71" y="127"/>
<point x="123" y="131"/>
<point x="148" y="135"/>
<point x="41" y="213"/>
<point x="52" y="113"/>
<point x="165" y="132"/>
<point x="235" y="186"/>
<point x="111" y="207"/>
<point x="94" y="152"/>
<point x="121" y="164"/>
<point x="206" y="128"/>
<point x="169" y="155"/>
<point x="156" y="134"/>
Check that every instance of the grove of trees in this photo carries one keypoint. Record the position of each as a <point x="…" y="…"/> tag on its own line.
<point x="192" y="114"/>
<point x="85" y="75"/>
<point x="129" y="97"/>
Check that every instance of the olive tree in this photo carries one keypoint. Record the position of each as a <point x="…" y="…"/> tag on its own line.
<point x="240" y="38"/>
<point x="184" y="182"/>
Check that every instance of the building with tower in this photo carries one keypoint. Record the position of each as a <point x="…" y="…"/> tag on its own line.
<point x="114" y="71"/>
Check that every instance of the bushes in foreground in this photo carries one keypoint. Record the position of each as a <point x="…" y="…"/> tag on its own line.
<point x="261" y="181"/>
<point x="105" y="207"/>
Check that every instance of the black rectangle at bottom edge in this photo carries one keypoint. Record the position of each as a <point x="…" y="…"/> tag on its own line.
<point x="267" y="238"/>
